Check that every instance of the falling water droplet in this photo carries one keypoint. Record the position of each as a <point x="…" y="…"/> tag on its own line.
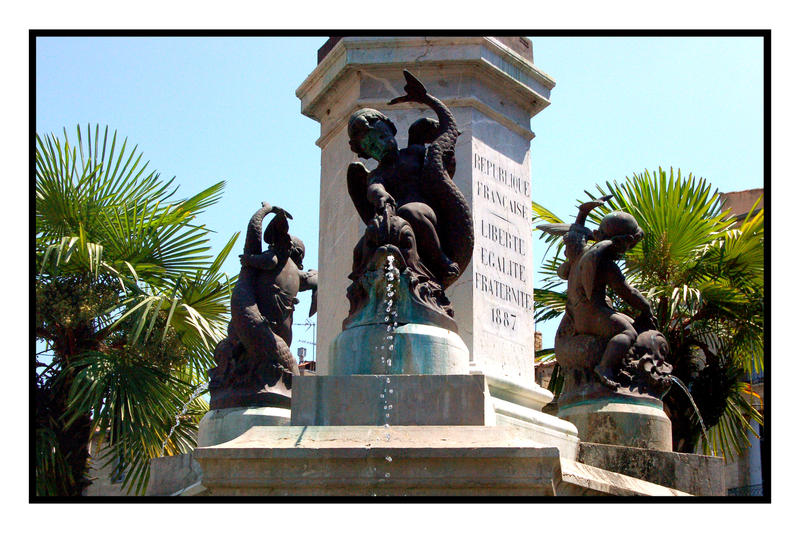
<point x="183" y="411"/>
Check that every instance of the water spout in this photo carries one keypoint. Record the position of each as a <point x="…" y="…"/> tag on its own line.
<point x="685" y="389"/>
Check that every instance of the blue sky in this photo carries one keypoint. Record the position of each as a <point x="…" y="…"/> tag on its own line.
<point x="208" y="109"/>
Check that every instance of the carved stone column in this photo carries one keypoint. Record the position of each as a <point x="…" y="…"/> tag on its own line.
<point x="493" y="88"/>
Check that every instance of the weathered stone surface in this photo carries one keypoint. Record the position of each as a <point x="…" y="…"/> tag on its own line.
<point x="625" y="424"/>
<point x="578" y="479"/>
<point x="699" y="475"/>
<point x="222" y="425"/>
<point x="352" y="461"/>
<point x="172" y="474"/>
<point x="415" y="400"/>
<point x="403" y="461"/>
<point x="418" y="349"/>
<point x="547" y="430"/>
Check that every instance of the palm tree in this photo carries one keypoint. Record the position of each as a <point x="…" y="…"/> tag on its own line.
<point x="705" y="280"/>
<point x="129" y="306"/>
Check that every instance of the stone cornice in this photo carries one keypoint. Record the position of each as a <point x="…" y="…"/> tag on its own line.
<point x="529" y="85"/>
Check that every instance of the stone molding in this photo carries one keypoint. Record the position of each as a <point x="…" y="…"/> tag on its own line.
<point x="518" y="77"/>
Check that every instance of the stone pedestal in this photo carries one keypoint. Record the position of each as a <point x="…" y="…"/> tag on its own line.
<point x="624" y="423"/>
<point x="352" y="461"/>
<point x="407" y="400"/>
<point x="222" y="425"/>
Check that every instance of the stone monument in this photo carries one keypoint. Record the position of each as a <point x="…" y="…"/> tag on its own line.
<point x="426" y="383"/>
<point x="493" y="89"/>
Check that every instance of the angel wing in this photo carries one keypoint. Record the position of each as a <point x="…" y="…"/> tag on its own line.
<point x="588" y="265"/>
<point x="357" y="179"/>
<point x="555" y="229"/>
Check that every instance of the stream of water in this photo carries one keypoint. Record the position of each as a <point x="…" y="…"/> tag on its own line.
<point x="386" y="350"/>
<point x="685" y="389"/>
<point x="195" y="394"/>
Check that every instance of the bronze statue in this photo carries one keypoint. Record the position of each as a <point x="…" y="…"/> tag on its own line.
<point x="596" y="343"/>
<point x="254" y="363"/>
<point x="410" y="188"/>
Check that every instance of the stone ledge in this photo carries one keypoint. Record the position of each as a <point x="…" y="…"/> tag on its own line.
<point x="700" y="475"/>
<point x="516" y="391"/>
<point x="469" y="461"/>
<point x="352" y="461"/>
<point x="577" y="479"/>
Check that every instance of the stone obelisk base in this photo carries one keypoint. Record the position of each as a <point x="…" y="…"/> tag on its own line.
<point x="364" y="461"/>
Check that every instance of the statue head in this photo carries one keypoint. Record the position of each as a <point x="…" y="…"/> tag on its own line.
<point x="297" y="252"/>
<point x="423" y="131"/>
<point x="620" y="224"/>
<point x="371" y="134"/>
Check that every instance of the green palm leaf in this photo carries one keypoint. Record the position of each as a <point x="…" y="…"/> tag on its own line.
<point x="106" y="225"/>
<point x="132" y="404"/>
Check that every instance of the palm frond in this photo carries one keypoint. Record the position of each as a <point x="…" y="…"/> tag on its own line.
<point x="104" y="221"/>
<point x="132" y="404"/>
<point x="730" y="436"/>
<point x="548" y="304"/>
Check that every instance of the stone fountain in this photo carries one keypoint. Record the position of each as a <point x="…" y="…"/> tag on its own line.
<point x="425" y="354"/>
<point x="400" y="411"/>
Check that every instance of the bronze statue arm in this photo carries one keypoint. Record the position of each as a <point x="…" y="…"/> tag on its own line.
<point x="308" y="282"/>
<point x="625" y="291"/>
<point x="266" y="261"/>
<point x="378" y="196"/>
